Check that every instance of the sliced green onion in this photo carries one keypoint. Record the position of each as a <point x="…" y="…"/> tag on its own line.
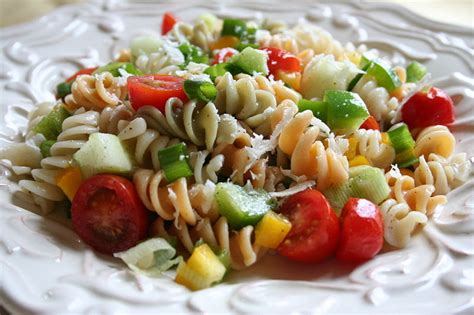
<point x="416" y="71"/>
<point x="319" y="108"/>
<point x="64" y="89"/>
<point x="174" y="162"/>
<point x="216" y="70"/>
<point x="338" y="196"/>
<point x="193" y="54"/>
<point x="114" y="67"/>
<point x="201" y="90"/>
<point x="401" y="138"/>
<point x="234" y="27"/>
<point x="406" y="158"/>
<point x="45" y="147"/>
<point x="368" y="182"/>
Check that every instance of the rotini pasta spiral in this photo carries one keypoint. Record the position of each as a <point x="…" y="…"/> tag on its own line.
<point x="96" y="92"/>
<point x="165" y="61"/>
<point x="181" y="32"/>
<point x="378" y="101"/>
<point x="203" y="36"/>
<point x="113" y="119"/>
<point x="443" y="173"/>
<point x="203" y="171"/>
<point x="191" y="121"/>
<point x="435" y="139"/>
<point x="370" y="145"/>
<point x="308" y="156"/>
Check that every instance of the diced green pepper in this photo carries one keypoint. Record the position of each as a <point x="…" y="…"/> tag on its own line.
<point x="50" y="125"/>
<point x="114" y="67"/>
<point x="346" y="111"/>
<point x="217" y="70"/>
<point x="234" y="27"/>
<point x="64" y="89"/>
<point x="174" y="162"/>
<point x="193" y="53"/>
<point x="385" y="76"/>
<point x="416" y="71"/>
<point x="241" y="207"/>
<point x="201" y="90"/>
<point x="319" y="108"/>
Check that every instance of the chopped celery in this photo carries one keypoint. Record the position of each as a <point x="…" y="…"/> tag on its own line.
<point x="193" y="53"/>
<point x="241" y="207"/>
<point x="416" y="71"/>
<point x="364" y="182"/>
<point x="346" y="111"/>
<point x="114" y="67"/>
<point x="50" y="125"/>
<point x="251" y="61"/>
<point x="201" y="90"/>
<point x="45" y="147"/>
<point x="201" y="270"/>
<point x="400" y="137"/>
<point x="63" y="89"/>
<point x="319" y="108"/>
<point x="174" y="162"/>
<point x="103" y="153"/>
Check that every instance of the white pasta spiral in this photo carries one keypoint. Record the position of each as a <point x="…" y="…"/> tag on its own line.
<point x="203" y="36"/>
<point x="435" y="139"/>
<point x="96" y="92"/>
<point x="370" y="145"/>
<point x="165" y="61"/>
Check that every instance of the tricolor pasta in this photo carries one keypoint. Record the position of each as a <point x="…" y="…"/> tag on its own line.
<point x="229" y="139"/>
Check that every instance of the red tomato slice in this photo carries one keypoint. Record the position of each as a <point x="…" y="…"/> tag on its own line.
<point x="315" y="229"/>
<point x="361" y="231"/>
<point x="224" y="54"/>
<point x="154" y="90"/>
<point x="108" y="215"/>
<point x="370" y="123"/>
<point x="279" y="59"/>
<point x="82" y="71"/>
<point x="169" y="20"/>
<point x="428" y="108"/>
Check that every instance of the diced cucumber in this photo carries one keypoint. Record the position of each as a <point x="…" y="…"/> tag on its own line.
<point x="50" y="125"/>
<point x="319" y="108"/>
<point x="416" y="71"/>
<point x="145" y="44"/>
<point x="364" y="182"/>
<point x="113" y="68"/>
<point x="241" y="207"/>
<point x="103" y="153"/>
<point x="382" y="72"/>
<point x="346" y="111"/>
<point x="251" y="61"/>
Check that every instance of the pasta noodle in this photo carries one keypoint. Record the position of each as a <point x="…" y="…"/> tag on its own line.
<point x="165" y="61"/>
<point x="370" y="145"/>
<point x="435" y="139"/>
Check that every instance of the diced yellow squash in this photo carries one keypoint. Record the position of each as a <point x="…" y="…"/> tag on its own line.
<point x="201" y="270"/>
<point x="352" y="150"/>
<point x="385" y="138"/>
<point x="224" y="42"/>
<point x="358" y="160"/>
<point x="272" y="230"/>
<point x="293" y="79"/>
<point x="69" y="181"/>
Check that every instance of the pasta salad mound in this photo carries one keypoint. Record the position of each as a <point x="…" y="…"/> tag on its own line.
<point x="217" y="142"/>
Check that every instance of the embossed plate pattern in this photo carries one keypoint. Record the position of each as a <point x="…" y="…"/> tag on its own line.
<point x="46" y="269"/>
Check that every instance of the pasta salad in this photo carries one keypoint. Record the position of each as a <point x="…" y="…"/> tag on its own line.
<point x="217" y="142"/>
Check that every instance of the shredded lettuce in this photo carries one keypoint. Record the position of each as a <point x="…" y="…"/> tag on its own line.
<point x="151" y="257"/>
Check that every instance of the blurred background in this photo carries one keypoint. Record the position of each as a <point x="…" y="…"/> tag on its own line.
<point x="460" y="12"/>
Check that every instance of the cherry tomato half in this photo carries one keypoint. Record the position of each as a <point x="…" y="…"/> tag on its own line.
<point x="428" y="108"/>
<point x="154" y="90"/>
<point x="169" y="20"/>
<point x="279" y="59"/>
<point x="315" y="228"/>
<point x="224" y="54"/>
<point x="82" y="71"/>
<point x="370" y="123"/>
<point x="361" y="231"/>
<point x="108" y="215"/>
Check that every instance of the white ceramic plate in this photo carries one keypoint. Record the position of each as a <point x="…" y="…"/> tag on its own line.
<point x="45" y="268"/>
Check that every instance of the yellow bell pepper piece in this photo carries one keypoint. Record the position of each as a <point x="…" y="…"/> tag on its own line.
<point x="293" y="79"/>
<point x="201" y="270"/>
<point x="225" y="41"/>
<point x="385" y="138"/>
<point x="271" y="230"/>
<point x="358" y="160"/>
<point x="69" y="181"/>
<point x="352" y="150"/>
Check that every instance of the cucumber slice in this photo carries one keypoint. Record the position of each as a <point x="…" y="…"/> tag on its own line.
<point x="346" y="111"/>
<point x="103" y="153"/>
<point x="50" y="125"/>
<point x="251" y="61"/>
<point x="241" y="207"/>
<point x="416" y="71"/>
<point x="364" y="182"/>
<point x="114" y="67"/>
<point x="145" y="44"/>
